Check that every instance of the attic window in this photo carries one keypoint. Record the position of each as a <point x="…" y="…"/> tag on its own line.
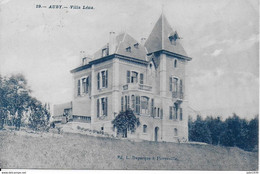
<point x="128" y="49"/>
<point x="136" y="45"/>
<point x="173" y="38"/>
<point x="84" y="61"/>
<point x="104" y="52"/>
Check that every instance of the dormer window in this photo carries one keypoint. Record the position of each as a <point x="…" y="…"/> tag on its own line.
<point x="136" y="45"/>
<point x="84" y="61"/>
<point x="128" y="49"/>
<point x="173" y="38"/>
<point x="104" y="52"/>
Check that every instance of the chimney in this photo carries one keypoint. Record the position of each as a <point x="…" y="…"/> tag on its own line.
<point x="112" y="42"/>
<point x="143" y="40"/>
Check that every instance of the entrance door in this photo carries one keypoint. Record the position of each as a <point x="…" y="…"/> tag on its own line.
<point x="156" y="133"/>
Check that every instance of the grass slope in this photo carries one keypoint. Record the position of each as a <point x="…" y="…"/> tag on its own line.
<point x="75" y="151"/>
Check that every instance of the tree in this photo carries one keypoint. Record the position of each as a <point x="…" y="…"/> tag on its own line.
<point x="199" y="131"/>
<point x="125" y="121"/>
<point x="16" y="102"/>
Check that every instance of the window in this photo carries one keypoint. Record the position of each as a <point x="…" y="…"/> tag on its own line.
<point x="104" y="52"/>
<point x="144" y="128"/>
<point x="175" y="132"/>
<point x="102" y="107"/>
<point x="126" y="102"/>
<point x="128" y="49"/>
<point x="134" y="77"/>
<point x="137" y="109"/>
<point x="85" y="85"/>
<point x="78" y="87"/>
<point x="136" y="45"/>
<point x="173" y="81"/>
<point x="175" y="63"/>
<point x="84" y="61"/>
<point x="102" y="79"/>
<point x="144" y="105"/>
<point x="133" y="102"/>
<point x="141" y="78"/>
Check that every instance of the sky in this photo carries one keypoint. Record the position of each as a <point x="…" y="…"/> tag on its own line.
<point x="221" y="37"/>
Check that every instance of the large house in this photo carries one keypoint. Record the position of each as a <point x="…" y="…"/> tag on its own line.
<point x="147" y="77"/>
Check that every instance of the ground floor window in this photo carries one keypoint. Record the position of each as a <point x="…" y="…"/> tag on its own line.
<point x="102" y="107"/>
<point x="144" y="105"/>
<point x="144" y="128"/>
<point x="175" y="132"/>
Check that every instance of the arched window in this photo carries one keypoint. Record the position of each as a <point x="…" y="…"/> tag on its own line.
<point x="175" y="63"/>
<point x="144" y="128"/>
<point x="175" y="132"/>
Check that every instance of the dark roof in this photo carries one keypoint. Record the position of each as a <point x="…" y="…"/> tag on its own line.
<point x="124" y="41"/>
<point x="159" y="38"/>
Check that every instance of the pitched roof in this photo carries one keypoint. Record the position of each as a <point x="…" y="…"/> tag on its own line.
<point x="124" y="41"/>
<point x="159" y="38"/>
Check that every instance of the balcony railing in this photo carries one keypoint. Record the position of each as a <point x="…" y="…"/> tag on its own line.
<point x="137" y="86"/>
<point x="178" y="95"/>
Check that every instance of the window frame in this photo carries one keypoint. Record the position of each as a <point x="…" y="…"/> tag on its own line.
<point x="102" y="83"/>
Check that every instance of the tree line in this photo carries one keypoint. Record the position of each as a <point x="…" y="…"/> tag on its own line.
<point x="233" y="131"/>
<point x="17" y="106"/>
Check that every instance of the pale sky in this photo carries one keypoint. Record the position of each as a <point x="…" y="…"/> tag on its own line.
<point x="221" y="37"/>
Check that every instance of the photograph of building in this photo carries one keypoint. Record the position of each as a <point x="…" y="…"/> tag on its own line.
<point x="147" y="77"/>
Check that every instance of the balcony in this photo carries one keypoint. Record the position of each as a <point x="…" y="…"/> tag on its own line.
<point x="178" y="95"/>
<point x="137" y="86"/>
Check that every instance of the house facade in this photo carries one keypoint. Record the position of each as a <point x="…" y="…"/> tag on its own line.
<point x="147" y="77"/>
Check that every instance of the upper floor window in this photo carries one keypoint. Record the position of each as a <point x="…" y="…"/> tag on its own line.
<point x="102" y="107"/>
<point x="144" y="128"/>
<point x="102" y="79"/>
<point x="128" y="49"/>
<point x="173" y="84"/>
<point x="84" y="61"/>
<point x="104" y="52"/>
<point x="181" y="114"/>
<point x="136" y="45"/>
<point x="132" y="77"/>
<point x="85" y="85"/>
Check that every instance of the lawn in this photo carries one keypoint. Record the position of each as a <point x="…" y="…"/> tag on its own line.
<point x="20" y="149"/>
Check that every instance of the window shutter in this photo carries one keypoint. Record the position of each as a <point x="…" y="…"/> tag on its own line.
<point x="141" y="78"/>
<point x="78" y="87"/>
<point x="106" y="78"/>
<point x="138" y="104"/>
<point x="180" y="113"/>
<point x="152" y="106"/>
<point x="97" y="107"/>
<point x="87" y="84"/>
<point x="170" y="81"/>
<point x="105" y="110"/>
<point x="128" y="76"/>
<point x="170" y="112"/>
<point x="98" y="80"/>
<point x="180" y="86"/>
<point x="122" y="103"/>
<point x="161" y="113"/>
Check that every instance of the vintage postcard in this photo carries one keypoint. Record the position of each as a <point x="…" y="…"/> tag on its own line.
<point x="129" y="85"/>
